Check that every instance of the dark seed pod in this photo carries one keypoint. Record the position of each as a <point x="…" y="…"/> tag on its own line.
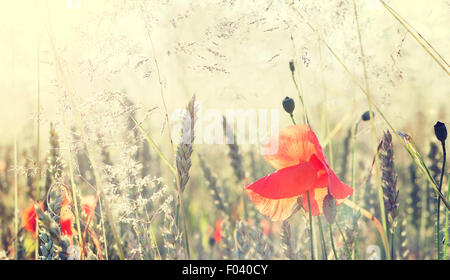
<point x="329" y="208"/>
<point x="291" y="66"/>
<point x="440" y="131"/>
<point x="288" y="105"/>
<point x="366" y="116"/>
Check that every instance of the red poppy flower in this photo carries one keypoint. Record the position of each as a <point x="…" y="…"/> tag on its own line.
<point x="266" y="225"/>
<point x="29" y="218"/>
<point x="302" y="167"/>
<point x="218" y="232"/>
<point x="88" y="204"/>
<point x="65" y="220"/>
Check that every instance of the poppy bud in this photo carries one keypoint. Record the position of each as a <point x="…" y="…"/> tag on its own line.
<point x="211" y="241"/>
<point x="288" y="104"/>
<point x="329" y="208"/>
<point x="366" y="116"/>
<point x="291" y="66"/>
<point x="440" y="131"/>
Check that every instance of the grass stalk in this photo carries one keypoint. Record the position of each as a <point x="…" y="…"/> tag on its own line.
<point x="410" y="30"/>
<point x="16" y="207"/>
<point x="311" y="232"/>
<point x="347" y="249"/>
<point x="446" y="220"/>
<point x="438" y="228"/>
<point x="61" y="76"/>
<point x="372" y="124"/>
<point x="300" y="96"/>
<point x="180" y="194"/>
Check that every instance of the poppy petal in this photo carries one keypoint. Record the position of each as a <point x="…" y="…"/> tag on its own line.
<point x="291" y="146"/>
<point x="316" y="199"/>
<point x="291" y="181"/>
<point x="275" y="209"/>
<point x="338" y="190"/>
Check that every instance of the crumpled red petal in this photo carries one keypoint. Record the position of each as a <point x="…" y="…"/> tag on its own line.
<point x="275" y="209"/>
<point x="291" y="146"/>
<point x="291" y="181"/>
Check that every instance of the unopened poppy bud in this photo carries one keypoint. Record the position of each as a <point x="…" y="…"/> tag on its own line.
<point x="440" y="131"/>
<point x="212" y="242"/>
<point x="329" y="208"/>
<point x="366" y="116"/>
<point x="291" y="66"/>
<point x="288" y="104"/>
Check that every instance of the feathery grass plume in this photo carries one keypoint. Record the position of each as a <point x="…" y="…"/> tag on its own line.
<point x="403" y="249"/>
<point x="389" y="183"/>
<point x="287" y="242"/>
<point x="184" y="151"/>
<point x="30" y="176"/>
<point x="219" y="202"/>
<point x="171" y="235"/>
<point x="54" y="160"/>
<point x="242" y="240"/>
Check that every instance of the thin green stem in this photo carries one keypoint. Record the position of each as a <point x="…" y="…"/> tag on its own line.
<point x="38" y="140"/>
<point x="404" y="24"/>
<point x="438" y="228"/>
<point x="354" y="131"/>
<point x="372" y="123"/>
<point x="332" y="242"/>
<point x="16" y="207"/>
<point x="311" y="233"/>
<point x="292" y="118"/>
<point x="324" y="248"/>
<point x="347" y="249"/>
<point x="392" y="244"/>
<point x="300" y="96"/>
<point x="446" y="219"/>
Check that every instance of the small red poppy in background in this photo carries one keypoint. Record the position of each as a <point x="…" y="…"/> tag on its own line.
<point x="66" y="217"/>
<point x="302" y="168"/>
<point x="218" y="232"/>
<point x="88" y="204"/>
<point x="29" y="218"/>
<point x="266" y="226"/>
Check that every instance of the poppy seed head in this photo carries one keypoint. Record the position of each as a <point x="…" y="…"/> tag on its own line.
<point x="366" y="116"/>
<point x="291" y="66"/>
<point x="288" y="105"/>
<point x="440" y="131"/>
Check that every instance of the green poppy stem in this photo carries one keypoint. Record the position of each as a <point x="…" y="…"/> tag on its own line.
<point x="332" y="242"/>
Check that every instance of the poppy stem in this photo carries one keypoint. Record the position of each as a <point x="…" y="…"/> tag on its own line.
<point x="311" y="239"/>
<point x="305" y="114"/>
<point x="292" y="118"/>
<point x="446" y="220"/>
<point x="332" y="242"/>
<point x="347" y="249"/>
<point x="439" y="203"/>
<point x="324" y="248"/>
